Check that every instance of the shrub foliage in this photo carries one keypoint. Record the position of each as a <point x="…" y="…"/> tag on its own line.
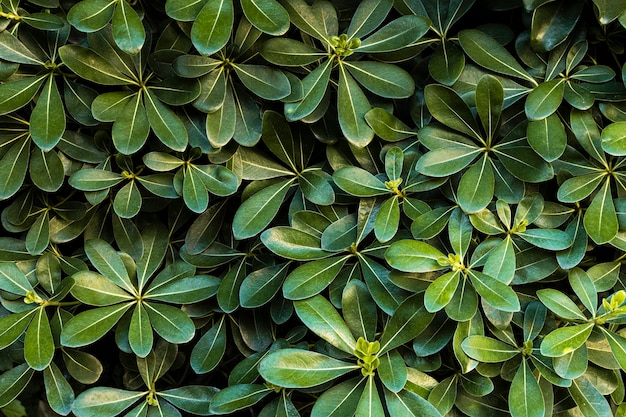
<point x="294" y="208"/>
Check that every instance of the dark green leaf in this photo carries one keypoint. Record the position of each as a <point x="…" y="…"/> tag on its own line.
<point x="38" y="342"/>
<point x="212" y="26"/>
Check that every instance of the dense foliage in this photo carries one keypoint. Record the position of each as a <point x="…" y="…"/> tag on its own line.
<point x="291" y="208"/>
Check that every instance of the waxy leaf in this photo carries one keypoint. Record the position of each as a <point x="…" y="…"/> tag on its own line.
<point x="104" y="401"/>
<point x="212" y="27"/>
<point x="266" y="15"/>
<point x="565" y="339"/>
<point x="525" y="396"/>
<point x="296" y="368"/>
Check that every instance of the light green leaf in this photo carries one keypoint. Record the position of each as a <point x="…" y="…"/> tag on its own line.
<point x="266" y="82"/>
<point x="171" y="323"/>
<point x="488" y="350"/>
<point x="296" y="368"/>
<point x="155" y="242"/>
<point x="370" y="404"/>
<point x="221" y="123"/>
<point x="440" y="292"/>
<point x="16" y="94"/>
<point x="13" y="280"/>
<point x="194" y="193"/>
<point x="447" y="161"/>
<point x="565" y="339"/>
<point x="387" y="219"/>
<point x="91" y="15"/>
<point x="14" y="325"/>
<point x="358" y="182"/>
<point x="560" y="304"/>
<point x="104" y="401"/>
<point x="614" y="139"/>
<point x="109" y="263"/>
<point x="395" y="35"/>
<point x="489" y="103"/>
<point x="97" y="290"/>
<point x="13" y="382"/>
<point x="316" y="188"/>
<point x="131" y="127"/>
<point x="127" y="201"/>
<point x="414" y="256"/>
<point x="212" y="27"/>
<point x="587" y="397"/>
<point x="392" y="371"/>
<point x="584" y="288"/>
<point x="292" y="243"/>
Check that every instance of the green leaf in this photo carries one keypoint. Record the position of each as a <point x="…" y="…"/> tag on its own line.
<point x="131" y="128"/>
<point x="358" y="182"/>
<point x="155" y="244"/>
<point x="565" y="339"/>
<point x="614" y="139"/>
<point x="395" y="35"/>
<point x="447" y="63"/>
<point x="370" y="404"/>
<point x="392" y="371"/>
<point x="387" y="219"/>
<point x="318" y="20"/>
<point x="339" y="400"/>
<point x="408" y="404"/>
<point x="488" y="350"/>
<point x="525" y="396"/>
<point x="314" y="87"/>
<point x="544" y="99"/>
<point x="550" y="239"/>
<point x="104" y="401"/>
<point x="440" y="292"/>
<point x="501" y="262"/>
<point x="266" y="82"/>
<point x="488" y="53"/>
<point x="367" y="17"/>
<point x="560" y="304"/>
<point x="584" y="288"/>
<point x="13" y="165"/>
<point x="292" y="243"/>
<point x="547" y="137"/>
<point x="184" y="10"/>
<point x="359" y="309"/>
<point x="447" y="161"/>
<point x="127" y="201"/>
<point x="13" y="50"/>
<point x="553" y="22"/>
<point x="140" y="335"/>
<point x="385" y="293"/>
<point x="82" y="366"/>
<point x="194" y="193"/>
<point x="128" y="31"/>
<point x="109" y="263"/>
<point x="590" y="402"/>
<point x="600" y="218"/>
<point x="476" y="187"/>
<point x="489" y="103"/>
<point x="296" y="368"/>
<point x="38" y="342"/>
<point x="210" y="349"/>
<point x="341" y="234"/>
<point x="290" y="52"/>
<point x="89" y="326"/>
<point x="260" y="286"/>
<point x="316" y="188"/>
<point x="212" y="27"/>
<point x="254" y="214"/>
<point x="248" y="123"/>
<point x="97" y="290"/>
<point x="165" y="123"/>
<point x="573" y="364"/>
<point x="319" y="315"/>
<point x="387" y="126"/>
<point x="448" y="107"/>
<point x="46" y="170"/>
<point x="221" y="123"/>
<point x="91" y="15"/>
<point x="414" y="256"/>
<point x="311" y="278"/>
<point x="38" y="236"/>
<point x="16" y="94"/>
<point x="352" y="105"/>
<point x="89" y="65"/>
<point x="59" y="392"/>
<point x="193" y="399"/>
<point x="382" y="79"/>
<point x="608" y="10"/>
<point x="13" y="326"/>
<point x="496" y="293"/>
<point x="13" y="280"/>
<point x="405" y="324"/>
<point x="171" y="323"/>
<point x="577" y="188"/>
<point x="13" y="382"/>
<point x="237" y="397"/>
<point x="618" y="346"/>
<point x="177" y="284"/>
<point x="266" y="15"/>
